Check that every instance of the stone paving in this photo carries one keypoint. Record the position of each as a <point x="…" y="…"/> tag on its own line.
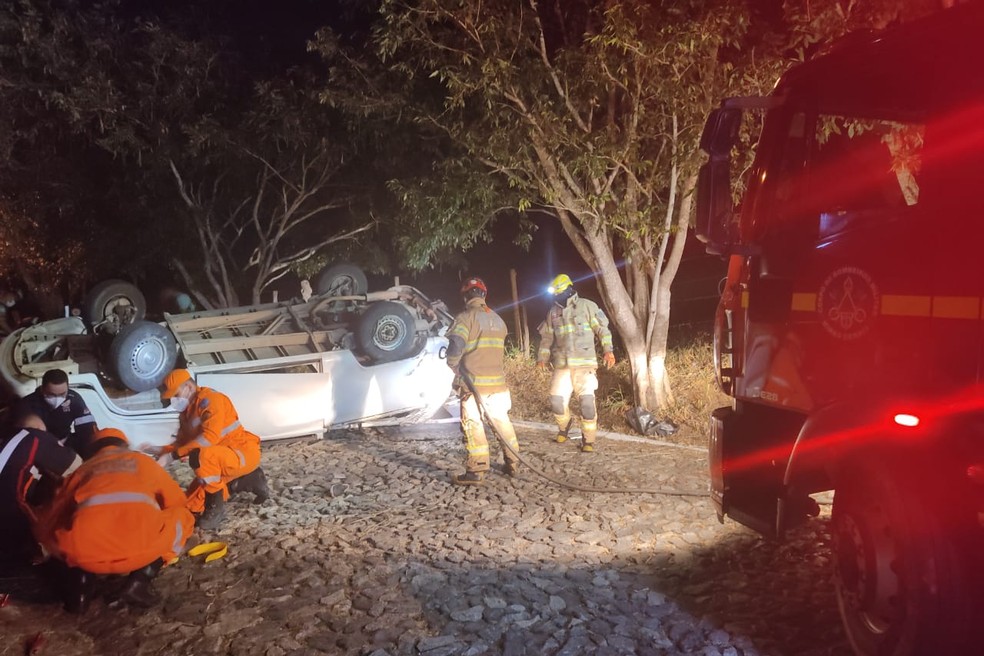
<point x="367" y="549"/>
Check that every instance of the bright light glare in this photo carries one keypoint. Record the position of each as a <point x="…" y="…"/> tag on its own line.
<point x="907" y="420"/>
<point x="550" y="290"/>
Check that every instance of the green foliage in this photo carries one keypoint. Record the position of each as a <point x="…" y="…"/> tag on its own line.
<point x="816" y="23"/>
<point x="98" y="102"/>
<point x="573" y="109"/>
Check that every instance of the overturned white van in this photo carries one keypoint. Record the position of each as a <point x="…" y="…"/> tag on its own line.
<point x="293" y="368"/>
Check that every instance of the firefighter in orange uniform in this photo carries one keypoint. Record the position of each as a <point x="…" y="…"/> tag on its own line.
<point x="119" y="513"/>
<point x="224" y="456"/>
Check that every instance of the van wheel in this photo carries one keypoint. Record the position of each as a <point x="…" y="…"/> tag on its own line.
<point x="341" y="280"/>
<point x="112" y="304"/>
<point x="387" y="331"/>
<point x="142" y="354"/>
<point x="902" y="571"/>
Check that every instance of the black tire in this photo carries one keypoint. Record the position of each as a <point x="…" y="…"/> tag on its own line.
<point x="903" y="567"/>
<point x="112" y="304"/>
<point x="387" y="331"/>
<point x="341" y="280"/>
<point x="142" y="354"/>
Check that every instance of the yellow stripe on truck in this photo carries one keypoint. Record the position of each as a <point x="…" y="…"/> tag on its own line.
<point x="957" y="307"/>
<point x="893" y="305"/>
<point x="803" y="302"/>
<point x="902" y="305"/>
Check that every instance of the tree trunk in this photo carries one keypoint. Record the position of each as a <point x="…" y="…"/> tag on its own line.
<point x="647" y="358"/>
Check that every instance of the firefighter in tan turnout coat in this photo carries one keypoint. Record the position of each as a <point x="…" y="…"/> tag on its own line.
<point x="567" y="341"/>
<point x="476" y="345"/>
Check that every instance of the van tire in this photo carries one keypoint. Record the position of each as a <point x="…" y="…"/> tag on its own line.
<point x="142" y="354"/>
<point x="387" y="331"/>
<point x="111" y="305"/>
<point x="341" y="280"/>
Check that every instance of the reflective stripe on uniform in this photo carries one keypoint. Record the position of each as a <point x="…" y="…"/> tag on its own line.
<point x="9" y="449"/>
<point x="201" y="441"/>
<point x="486" y="342"/>
<point x="231" y="427"/>
<point x="85" y="419"/>
<point x="211" y="479"/>
<point x="486" y="381"/>
<point x="242" y="458"/>
<point x="178" y="535"/>
<point x="119" y="497"/>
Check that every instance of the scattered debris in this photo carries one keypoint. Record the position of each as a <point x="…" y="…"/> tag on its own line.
<point x="645" y="423"/>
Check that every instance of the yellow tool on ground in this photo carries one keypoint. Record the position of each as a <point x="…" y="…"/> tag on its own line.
<point x="215" y="550"/>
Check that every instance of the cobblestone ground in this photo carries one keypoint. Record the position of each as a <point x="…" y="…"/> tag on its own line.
<point x="367" y="549"/>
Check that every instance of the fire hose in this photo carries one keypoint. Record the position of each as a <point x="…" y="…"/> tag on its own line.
<point x="466" y="379"/>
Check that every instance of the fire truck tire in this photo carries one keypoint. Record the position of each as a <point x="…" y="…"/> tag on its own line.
<point x="341" y="280"/>
<point x="142" y="354"/>
<point x="112" y="304"/>
<point x="387" y="331"/>
<point x="903" y="583"/>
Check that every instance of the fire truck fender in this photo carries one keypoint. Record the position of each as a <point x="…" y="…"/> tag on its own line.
<point x="833" y="434"/>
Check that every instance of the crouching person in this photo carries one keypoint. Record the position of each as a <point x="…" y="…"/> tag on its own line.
<point x="119" y="513"/>
<point x="30" y="459"/>
<point x="224" y="456"/>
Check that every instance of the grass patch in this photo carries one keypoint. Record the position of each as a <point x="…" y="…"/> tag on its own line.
<point x="691" y="369"/>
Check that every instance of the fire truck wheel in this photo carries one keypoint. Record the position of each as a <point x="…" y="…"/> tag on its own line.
<point x="112" y="304"/>
<point x="142" y="354"/>
<point x="387" y="331"/>
<point x="341" y="280"/>
<point x="902" y="585"/>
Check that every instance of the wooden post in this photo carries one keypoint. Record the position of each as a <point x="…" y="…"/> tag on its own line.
<point x="396" y="281"/>
<point x="276" y="294"/>
<point x="516" y="309"/>
<point x="526" y="335"/>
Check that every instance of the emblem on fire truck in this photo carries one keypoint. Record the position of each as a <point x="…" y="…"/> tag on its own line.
<point x="848" y="303"/>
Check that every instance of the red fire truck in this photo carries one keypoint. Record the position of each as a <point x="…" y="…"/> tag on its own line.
<point x="850" y="328"/>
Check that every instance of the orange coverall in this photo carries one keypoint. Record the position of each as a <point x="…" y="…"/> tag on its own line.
<point x="118" y="512"/>
<point x="227" y="450"/>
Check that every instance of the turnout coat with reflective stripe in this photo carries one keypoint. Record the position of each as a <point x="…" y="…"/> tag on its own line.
<point x="25" y="450"/>
<point x="118" y="512"/>
<point x="483" y="334"/>
<point x="567" y="337"/>
<point x="227" y="450"/>
<point x="212" y="420"/>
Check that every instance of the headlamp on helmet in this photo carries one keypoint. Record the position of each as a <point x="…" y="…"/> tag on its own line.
<point x="560" y="284"/>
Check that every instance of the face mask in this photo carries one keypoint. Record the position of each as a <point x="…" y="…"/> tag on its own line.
<point x="561" y="298"/>
<point x="55" y="401"/>
<point x="179" y="403"/>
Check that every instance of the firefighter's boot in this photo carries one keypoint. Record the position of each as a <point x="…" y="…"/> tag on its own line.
<point x="78" y="588"/>
<point x="214" y="513"/>
<point x="589" y="429"/>
<point x="468" y="478"/>
<point x="254" y="482"/>
<point x="258" y="486"/>
<point x="564" y="423"/>
<point x="139" y="591"/>
<point x="511" y="469"/>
